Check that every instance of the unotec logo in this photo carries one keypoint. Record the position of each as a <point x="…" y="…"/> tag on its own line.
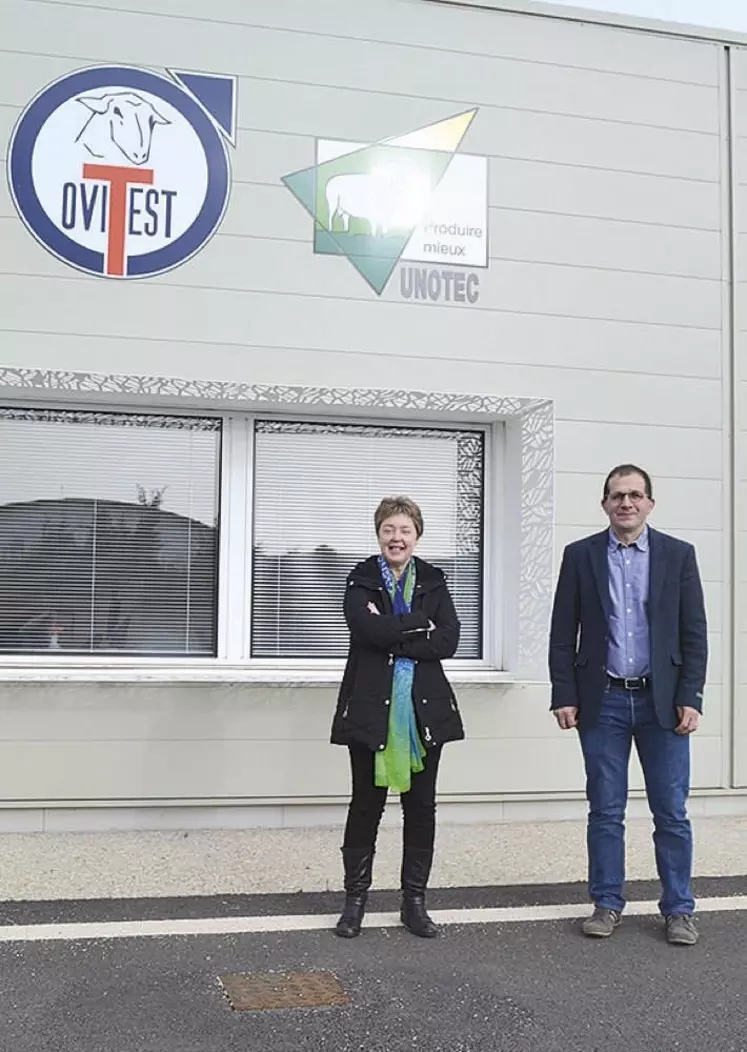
<point x="123" y="172"/>
<point x="415" y="198"/>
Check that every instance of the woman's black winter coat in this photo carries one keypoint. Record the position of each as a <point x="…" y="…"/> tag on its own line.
<point x="362" y="716"/>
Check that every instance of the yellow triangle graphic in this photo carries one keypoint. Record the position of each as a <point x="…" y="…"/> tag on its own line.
<point x="444" y="135"/>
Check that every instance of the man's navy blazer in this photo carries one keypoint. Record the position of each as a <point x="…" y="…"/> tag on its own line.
<point x="579" y="633"/>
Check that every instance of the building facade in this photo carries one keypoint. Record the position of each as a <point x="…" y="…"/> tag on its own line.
<point x="262" y="264"/>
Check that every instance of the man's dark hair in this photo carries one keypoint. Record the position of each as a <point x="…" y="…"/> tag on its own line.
<point x="628" y="469"/>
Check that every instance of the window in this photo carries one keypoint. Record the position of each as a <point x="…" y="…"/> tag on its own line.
<point x="316" y="486"/>
<point x="108" y="532"/>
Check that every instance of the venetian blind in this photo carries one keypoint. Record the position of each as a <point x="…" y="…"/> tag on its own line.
<point x="316" y="489"/>
<point x="108" y="532"/>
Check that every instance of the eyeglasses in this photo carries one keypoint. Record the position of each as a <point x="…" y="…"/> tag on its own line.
<point x="633" y="495"/>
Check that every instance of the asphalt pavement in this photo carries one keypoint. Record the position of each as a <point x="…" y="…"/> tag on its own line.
<point x="79" y="971"/>
<point x="507" y="987"/>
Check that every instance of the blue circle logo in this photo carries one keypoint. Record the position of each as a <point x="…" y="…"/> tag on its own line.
<point x="122" y="172"/>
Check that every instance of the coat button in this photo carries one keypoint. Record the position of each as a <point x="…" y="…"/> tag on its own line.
<point x="425" y="701"/>
<point x="386" y="701"/>
<point x="381" y="747"/>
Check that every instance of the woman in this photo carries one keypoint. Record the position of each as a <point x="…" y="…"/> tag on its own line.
<point x="395" y="709"/>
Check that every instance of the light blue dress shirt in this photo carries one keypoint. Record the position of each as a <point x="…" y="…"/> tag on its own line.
<point x="629" y="648"/>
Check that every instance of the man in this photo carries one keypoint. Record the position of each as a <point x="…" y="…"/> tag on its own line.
<point x="628" y="653"/>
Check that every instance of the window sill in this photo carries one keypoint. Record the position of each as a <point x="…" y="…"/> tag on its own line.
<point x="276" y="676"/>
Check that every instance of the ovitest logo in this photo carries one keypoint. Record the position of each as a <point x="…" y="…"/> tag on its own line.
<point x="411" y="199"/>
<point x="123" y="172"/>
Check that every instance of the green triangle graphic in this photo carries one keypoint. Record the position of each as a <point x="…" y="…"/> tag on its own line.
<point x="303" y="186"/>
<point x="377" y="270"/>
<point x="325" y="243"/>
<point x="367" y="204"/>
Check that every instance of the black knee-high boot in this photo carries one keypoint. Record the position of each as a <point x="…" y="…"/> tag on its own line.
<point x="358" y="864"/>
<point x="416" y="868"/>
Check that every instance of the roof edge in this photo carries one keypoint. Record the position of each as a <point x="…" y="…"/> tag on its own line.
<point x="543" y="9"/>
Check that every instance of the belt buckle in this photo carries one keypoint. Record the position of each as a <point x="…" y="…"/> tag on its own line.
<point x="632" y="683"/>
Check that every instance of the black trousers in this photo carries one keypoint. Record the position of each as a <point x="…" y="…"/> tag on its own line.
<point x="368" y="800"/>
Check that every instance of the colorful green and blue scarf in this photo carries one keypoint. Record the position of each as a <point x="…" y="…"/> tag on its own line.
<point x="404" y="752"/>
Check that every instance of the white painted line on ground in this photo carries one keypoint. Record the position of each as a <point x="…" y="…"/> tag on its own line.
<point x="320" y="922"/>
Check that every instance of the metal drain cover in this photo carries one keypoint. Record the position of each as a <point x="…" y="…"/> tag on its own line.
<point x="261" y="993"/>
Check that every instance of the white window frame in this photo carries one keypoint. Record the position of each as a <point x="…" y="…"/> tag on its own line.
<point x="517" y="527"/>
<point x="236" y="534"/>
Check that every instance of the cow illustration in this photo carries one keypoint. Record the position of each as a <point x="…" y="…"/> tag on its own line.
<point x="120" y="124"/>
<point x="392" y="197"/>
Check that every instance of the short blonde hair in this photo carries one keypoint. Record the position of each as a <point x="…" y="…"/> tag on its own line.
<point x="399" y="506"/>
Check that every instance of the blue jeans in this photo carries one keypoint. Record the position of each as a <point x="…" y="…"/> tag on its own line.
<point x="628" y="716"/>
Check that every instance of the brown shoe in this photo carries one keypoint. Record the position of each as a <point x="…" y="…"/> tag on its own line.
<point x="680" y="930"/>
<point x="601" y="923"/>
